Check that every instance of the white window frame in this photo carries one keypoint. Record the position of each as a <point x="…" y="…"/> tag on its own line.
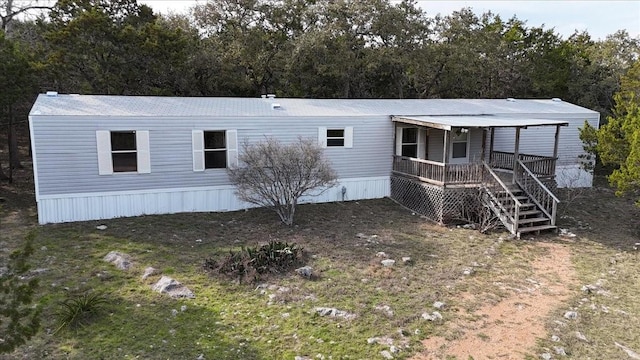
<point x="323" y="133"/>
<point x="467" y="141"/>
<point x="105" y="152"/>
<point x="197" y="142"/>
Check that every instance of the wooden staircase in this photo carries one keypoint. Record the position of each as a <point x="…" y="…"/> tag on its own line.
<point x="515" y="206"/>
<point x="530" y="217"/>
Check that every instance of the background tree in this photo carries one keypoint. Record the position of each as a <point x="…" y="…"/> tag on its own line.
<point x="17" y="79"/>
<point x="617" y="142"/>
<point x="113" y="47"/>
<point x="276" y="176"/>
<point x="19" y="319"/>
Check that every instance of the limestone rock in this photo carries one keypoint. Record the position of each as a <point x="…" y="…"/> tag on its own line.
<point x="305" y="272"/>
<point x="571" y="315"/>
<point x="388" y="262"/>
<point x="385" y="309"/>
<point x="122" y="261"/>
<point x="333" y="312"/>
<point x="439" y="305"/>
<point x="432" y="317"/>
<point x="386" y="354"/>
<point x="173" y="288"/>
<point x="149" y="271"/>
<point x="580" y="336"/>
<point x="632" y="354"/>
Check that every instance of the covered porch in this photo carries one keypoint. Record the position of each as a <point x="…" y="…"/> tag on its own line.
<point x="445" y="165"/>
<point x="450" y="150"/>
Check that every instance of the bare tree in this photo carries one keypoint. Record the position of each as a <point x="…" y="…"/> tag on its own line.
<point x="9" y="9"/>
<point x="276" y="176"/>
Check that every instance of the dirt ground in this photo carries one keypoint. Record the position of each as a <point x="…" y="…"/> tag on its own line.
<point x="509" y="328"/>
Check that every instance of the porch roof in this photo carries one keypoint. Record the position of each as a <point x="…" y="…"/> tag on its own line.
<point x="474" y="121"/>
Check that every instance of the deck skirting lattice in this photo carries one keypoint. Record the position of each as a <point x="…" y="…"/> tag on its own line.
<point x="438" y="203"/>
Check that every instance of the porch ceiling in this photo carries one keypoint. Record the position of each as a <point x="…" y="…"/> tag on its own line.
<point x="474" y="121"/>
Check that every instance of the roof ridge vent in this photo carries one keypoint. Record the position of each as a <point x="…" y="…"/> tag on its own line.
<point x="556" y="99"/>
<point x="271" y="96"/>
<point x="52" y="93"/>
<point x="511" y="99"/>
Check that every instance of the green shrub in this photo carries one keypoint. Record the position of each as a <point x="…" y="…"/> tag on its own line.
<point x="251" y="262"/>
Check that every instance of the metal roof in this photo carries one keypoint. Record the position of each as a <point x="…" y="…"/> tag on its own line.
<point x="448" y="122"/>
<point x="162" y="107"/>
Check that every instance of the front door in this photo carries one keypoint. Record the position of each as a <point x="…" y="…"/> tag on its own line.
<point x="459" y="151"/>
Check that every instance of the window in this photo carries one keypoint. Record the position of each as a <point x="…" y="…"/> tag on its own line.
<point x="459" y="144"/>
<point x="336" y="137"/>
<point x="410" y="142"/>
<point x="123" y="151"/>
<point x="215" y="150"/>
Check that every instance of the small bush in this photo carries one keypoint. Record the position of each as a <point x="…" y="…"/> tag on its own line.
<point x="251" y="262"/>
<point x="80" y="310"/>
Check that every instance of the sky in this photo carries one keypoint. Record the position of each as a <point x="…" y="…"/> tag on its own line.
<point x="598" y="18"/>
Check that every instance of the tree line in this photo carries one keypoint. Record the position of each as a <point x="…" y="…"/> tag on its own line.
<point x="295" y="48"/>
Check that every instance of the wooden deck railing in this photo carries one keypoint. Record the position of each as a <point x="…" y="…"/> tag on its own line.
<point x="541" y="166"/>
<point x="502" y="201"/>
<point x="540" y="194"/>
<point x="426" y="170"/>
<point x="438" y="173"/>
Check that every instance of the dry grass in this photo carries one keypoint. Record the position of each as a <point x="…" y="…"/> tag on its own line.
<point x="227" y="320"/>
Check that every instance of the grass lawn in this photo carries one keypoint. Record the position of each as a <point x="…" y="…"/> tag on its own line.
<point x="276" y="320"/>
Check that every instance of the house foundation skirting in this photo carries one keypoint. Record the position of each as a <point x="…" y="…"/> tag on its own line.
<point x="438" y="203"/>
<point x="97" y="206"/>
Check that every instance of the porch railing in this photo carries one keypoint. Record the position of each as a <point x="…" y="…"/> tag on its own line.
<point x="502" y="200"/>
<point x="541" y="166"/>
<point x="438" y="173"/>
<point x="539" y="194"/>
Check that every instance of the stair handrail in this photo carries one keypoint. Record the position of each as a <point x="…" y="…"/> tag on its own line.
<point x="513" y="215"/>
<point x="548" y="202"/>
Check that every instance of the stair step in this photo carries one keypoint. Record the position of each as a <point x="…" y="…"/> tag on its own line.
<point x="532" y="220"/>
<point x="530" y="212"/>
<point x="536" y="228"/>
<point x="524" y="206"/>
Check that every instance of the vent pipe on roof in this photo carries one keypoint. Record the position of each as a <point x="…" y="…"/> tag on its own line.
<point x="52" y="93"/>
<point x="511" y="99"/>
<point x="275" y="106"/>
<point x="271" y="96"/>
<point x="263" y="96"/>
<point x="556" y="99"/>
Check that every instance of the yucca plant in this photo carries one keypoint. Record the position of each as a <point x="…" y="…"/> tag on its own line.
<point x="80" y="310"/>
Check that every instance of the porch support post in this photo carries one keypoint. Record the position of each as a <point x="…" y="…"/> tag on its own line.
<point x="516" y="154"/>
<point x="445" y="155"/>
<point x="555" y="145"/>
<point x="493" y="136"/>
<point x="484" y="144"/>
